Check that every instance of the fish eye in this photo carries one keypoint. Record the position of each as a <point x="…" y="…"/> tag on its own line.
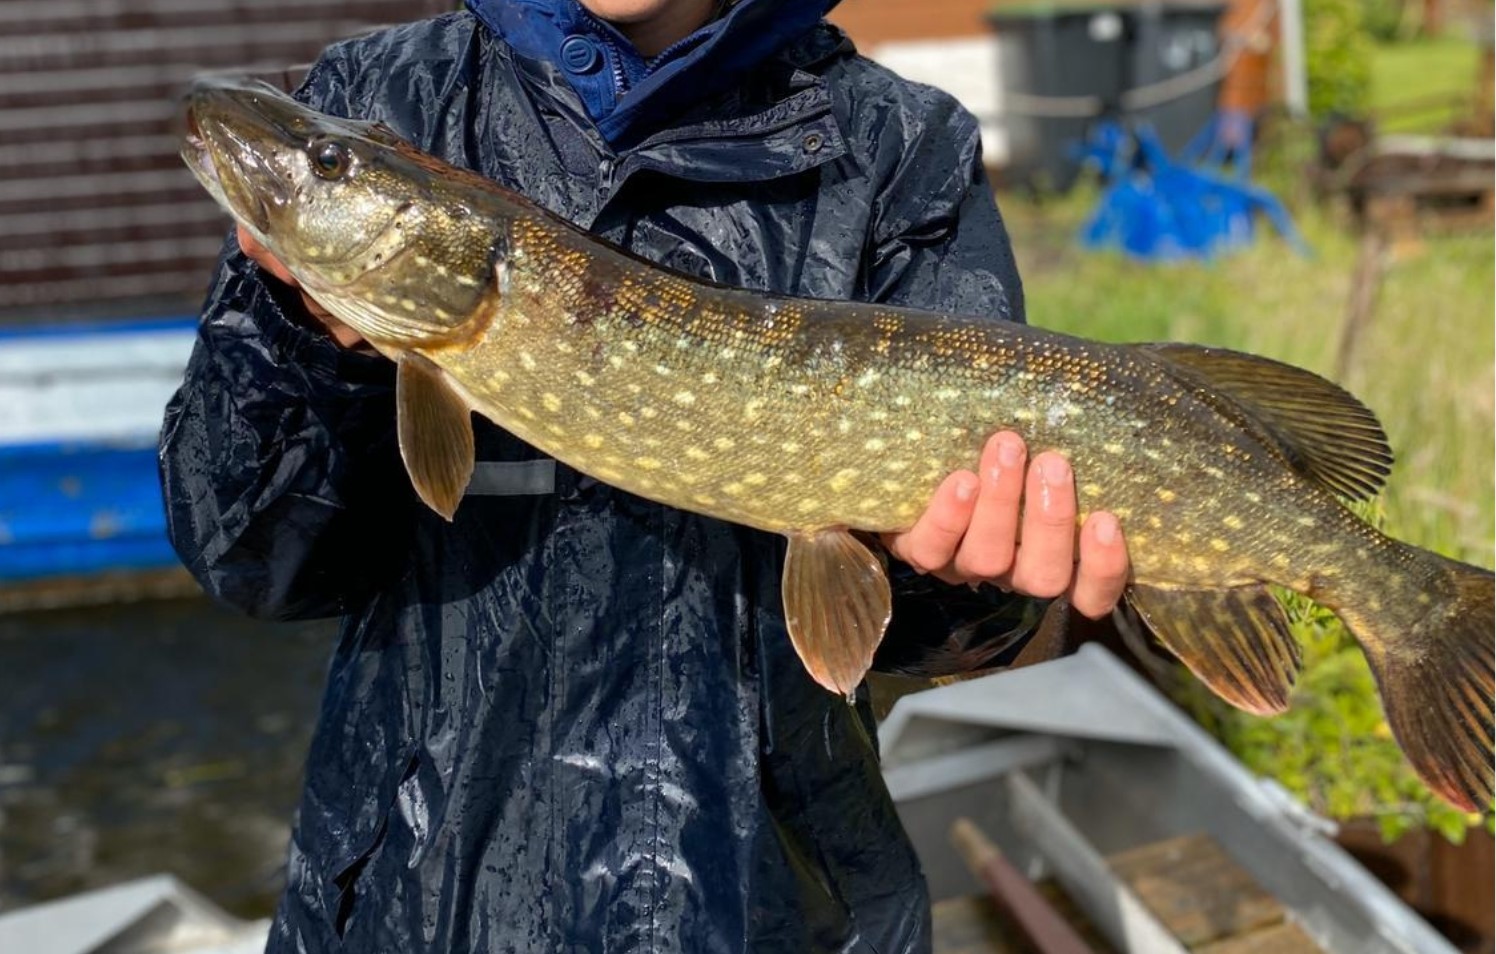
<point x="329" y="158"/>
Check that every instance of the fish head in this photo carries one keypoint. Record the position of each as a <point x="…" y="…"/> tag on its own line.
<point x="377" y="232"/>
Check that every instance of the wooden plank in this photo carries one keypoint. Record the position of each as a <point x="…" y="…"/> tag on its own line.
<point x="1118" y="913"/>
<point x="1284" y="938"/>
<point x="1196" y="889"/>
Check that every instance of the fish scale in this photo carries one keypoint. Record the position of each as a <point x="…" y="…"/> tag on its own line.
<point x="815" y="419"/>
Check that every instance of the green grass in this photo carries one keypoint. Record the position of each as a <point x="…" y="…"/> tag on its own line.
<point x="1432" y="68"/>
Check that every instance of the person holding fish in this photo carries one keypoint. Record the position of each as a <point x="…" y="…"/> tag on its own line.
<point x="564" y="716"/>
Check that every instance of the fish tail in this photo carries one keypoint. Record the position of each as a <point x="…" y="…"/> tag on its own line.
<point x="1433" y="652"/>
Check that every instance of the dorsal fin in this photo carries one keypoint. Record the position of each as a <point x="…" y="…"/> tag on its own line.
<point x="1321" y="429"/>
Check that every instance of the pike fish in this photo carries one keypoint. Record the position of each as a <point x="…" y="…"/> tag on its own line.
<point x="815" y="419"/>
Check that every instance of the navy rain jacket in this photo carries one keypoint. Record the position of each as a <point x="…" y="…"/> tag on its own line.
<point x="572" y="720"/>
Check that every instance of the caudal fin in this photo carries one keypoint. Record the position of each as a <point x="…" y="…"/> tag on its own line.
<point x="1437" y="678"/>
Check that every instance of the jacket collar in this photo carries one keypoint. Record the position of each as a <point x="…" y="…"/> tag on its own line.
<point x="624" y="94"/>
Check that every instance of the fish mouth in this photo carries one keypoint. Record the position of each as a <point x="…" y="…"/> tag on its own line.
<point x="232" y="138"/>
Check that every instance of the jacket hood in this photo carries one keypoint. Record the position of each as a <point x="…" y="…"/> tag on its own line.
<point x="624" y="92"/>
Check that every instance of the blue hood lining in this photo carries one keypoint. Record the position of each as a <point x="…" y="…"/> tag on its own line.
<point x="625" y="94"/>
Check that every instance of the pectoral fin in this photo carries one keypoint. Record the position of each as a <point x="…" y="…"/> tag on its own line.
<point x="837" y="604"/>
<point x="1237" y="641"/>
<point x="436" y="434"/>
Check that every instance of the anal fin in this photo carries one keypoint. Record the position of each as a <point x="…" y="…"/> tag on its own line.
<point x="1235" y="640"/>
<point x="435" y="427"/>
<point x="837" y="604"/>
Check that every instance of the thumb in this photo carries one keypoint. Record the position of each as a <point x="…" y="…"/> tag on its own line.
<point x="261" y="256"/>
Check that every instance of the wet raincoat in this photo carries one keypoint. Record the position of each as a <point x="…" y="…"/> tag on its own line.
<point x="571" y="720"/>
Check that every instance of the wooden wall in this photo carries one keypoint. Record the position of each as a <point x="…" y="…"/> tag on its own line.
<point x="97" y="212"/>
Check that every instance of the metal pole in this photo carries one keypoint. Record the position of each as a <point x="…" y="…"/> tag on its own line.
<point x="1295" y="77"/>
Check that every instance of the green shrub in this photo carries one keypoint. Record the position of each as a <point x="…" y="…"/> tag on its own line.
<point x="1338" y="52"/>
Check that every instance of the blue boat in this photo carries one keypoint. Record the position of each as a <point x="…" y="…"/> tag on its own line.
<point x="80" y="410"/>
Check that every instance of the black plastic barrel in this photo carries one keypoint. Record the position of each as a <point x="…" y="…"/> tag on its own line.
<point x="1102" y="51"/>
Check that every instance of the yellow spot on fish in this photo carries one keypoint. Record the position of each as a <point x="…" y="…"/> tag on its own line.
<point x="878" y="416"/>
<point x="609" y="473"/>
<point x="752" y="408"/>
<point x="807" y="505"/>
<point x="1114" y="448"/>
<point x="408" y="304"/>
<point x="844" y="426"/>
<point x="615" y="360"/>
<point x="1219" y="545"/>
<point x="1166" y="495"/>
<point x="585" y="379"/>
<point x="799" y="390"/>
<point x="843" y="479"/>
<point x="902" y="400"/>
<point x="724" y="443"/>
<point x="913" y="435"/>
<point x="704" y="500"/>
<point x="649" y="463"/>
<point x="1253" y="497"/>
<point x="867" y="378"/>
<point x="525" y="413"/>
<point x="709" y="378"/>
<point x="500" y="377"/>
<point x="896" y="466"/>
<point x="632" y="347"/>
<point x="1201" y="564"/>
<point x="648" y="413"/>
<point x="696" y="453"/>
<point x="1023" y="414"/>
<point x="1215" y="472"/>
<point x="734" y="489"/>
<point x="626" y="419"/>
<point x="790" y="447"/>
<point x="773" y="362"/>
<point x="1091" y="490"/>
<point x="592" y="413"/>
<point x="467" y="281"/>
<point x="662" y="370"/>
<point x="755" y="479"/>
<point x="527" y="360"/>
<point x="1232" y="522"/>
<point x="905" y="509"/>
<point x="1279" y="560"/>
<point x="891" y="486"/>
<point x="875" y="444"/>
<point x="555" y="428"/>
<point x="1307" y="522"/>
<point x="1155" y="522"/>
<point x="947" y="394"/>
<point x="682" y="424"/>
<point x="869" y="503"/>
<point x="550" y="401"/>
<point x="592" y="440"/>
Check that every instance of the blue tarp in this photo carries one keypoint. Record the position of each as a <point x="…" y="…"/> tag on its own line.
<point x="1155" y="207"/>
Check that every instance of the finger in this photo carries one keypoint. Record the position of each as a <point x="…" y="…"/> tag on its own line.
<point x="1101" y="575"/>
<point x="929" y="545"/>
<point x="1045" y="561"/>
<point x="262" y="257"/>
<point x="986" y="552"/>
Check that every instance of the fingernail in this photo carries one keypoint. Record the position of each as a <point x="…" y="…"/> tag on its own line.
<point x="1054" y="471"/>
<point x="1106" y="529"/>
<point x="1009" y="452"/>
<point x="966" y="488"/>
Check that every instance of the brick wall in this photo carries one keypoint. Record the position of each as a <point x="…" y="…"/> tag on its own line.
<point x="97" y="212"/>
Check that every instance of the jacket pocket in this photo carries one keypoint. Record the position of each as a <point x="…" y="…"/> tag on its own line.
<point x="345" y="884"/>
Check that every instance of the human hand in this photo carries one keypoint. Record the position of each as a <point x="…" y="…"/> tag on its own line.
<point x="261" y="256"/>
<point x="970" y="532"/>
